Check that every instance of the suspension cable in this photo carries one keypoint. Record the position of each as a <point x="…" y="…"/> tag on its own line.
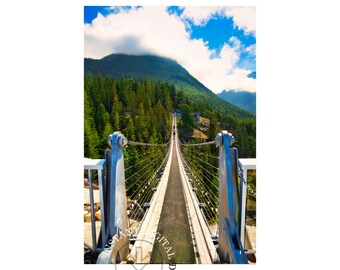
<point x="206" y="183"/>
<point x="143" y="160"/>
<point x="148" y="190"/>
<point x="151" y="181"/>
<point x="135" y="173"/>
<point x="197" y="144"/>
<point x="201" y="179"/>
<point x="207" y="155"/>
<point x="147" y="144"/>
<point x="214" y="176"/>
<point x="210" y="204"/>
<point x="140" y="200"/>
<point x="154" y="165"/>
<point x="204" y="186"/>
<point x="143" y="155"/>
<point x="136" y="181"/>
<point x="196" y="158"/>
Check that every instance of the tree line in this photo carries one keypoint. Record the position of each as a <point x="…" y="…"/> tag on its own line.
<point x="142" y="111"/>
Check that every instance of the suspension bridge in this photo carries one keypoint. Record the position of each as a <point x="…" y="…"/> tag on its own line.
<point x="177" y="203"/>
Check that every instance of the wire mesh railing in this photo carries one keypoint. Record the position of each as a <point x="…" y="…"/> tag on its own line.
<point x="201" y="164"/>
<point x="144" y="164"/>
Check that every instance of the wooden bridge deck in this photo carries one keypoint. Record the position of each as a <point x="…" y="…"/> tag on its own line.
<point x="174" y="223"/>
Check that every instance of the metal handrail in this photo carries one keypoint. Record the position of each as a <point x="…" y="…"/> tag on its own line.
<point x="197" y="144"/>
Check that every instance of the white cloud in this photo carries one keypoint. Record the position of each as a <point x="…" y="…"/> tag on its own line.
<point x="238" y="80"/>
<point x="243" y="17"/>
<point x="200" y="15"/>
<point x="151" y="30"/>
<point x="251" y="49"/>
<point x="236" y="43"/>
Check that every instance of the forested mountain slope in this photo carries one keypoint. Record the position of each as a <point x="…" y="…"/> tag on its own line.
<point x="155" y="68"/>
<point x="142" y="110"/>
<point x="243" y="99"/>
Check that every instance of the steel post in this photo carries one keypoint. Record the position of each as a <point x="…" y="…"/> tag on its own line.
<point x="117" y="220"/>
<point x="102" y="206"/>
<point x="230" y="248"/>
<point x="93" y="218"/>
<point x="243" y="203"/>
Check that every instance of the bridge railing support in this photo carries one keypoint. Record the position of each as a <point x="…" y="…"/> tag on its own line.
<point x="229" y="245"/>
<point x="116" y="221"/>
<point x="244" y="165"/>
<point x="113" y="242"/>
<point x="98" y="165"/>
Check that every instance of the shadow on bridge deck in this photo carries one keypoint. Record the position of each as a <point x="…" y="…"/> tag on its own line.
<point x="174" y="224"/>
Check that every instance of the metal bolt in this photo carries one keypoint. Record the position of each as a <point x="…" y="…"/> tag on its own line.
<point x="231" y="138"/>
<point x="219" y="139"/>
<point x="109" y="140"/>
<point x="122" y="141"/>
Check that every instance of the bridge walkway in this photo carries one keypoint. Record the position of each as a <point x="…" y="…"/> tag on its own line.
<point x="174" y="224"/>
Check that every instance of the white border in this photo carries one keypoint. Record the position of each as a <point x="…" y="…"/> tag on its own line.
<point x="42" y="132"/>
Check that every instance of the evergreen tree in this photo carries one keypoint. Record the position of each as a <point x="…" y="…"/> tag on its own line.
<point x="91" y="138"/>
<point x="116" y="122"/>
<point x="141" y="124"/>
<point x="187" y="120"/>
<point x="130" y="130"/>
<point x="102" y="116"/>
<point x="117" y="105"/>
<point x="108" y="130"/>
<point x="214" y="128"/>
<point x="143" y="108"/>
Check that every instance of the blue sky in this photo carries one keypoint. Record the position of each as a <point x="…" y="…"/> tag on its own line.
<point x="218" y="31"/>
<point x="217" y="34"/>
<point x="91" y="12"/>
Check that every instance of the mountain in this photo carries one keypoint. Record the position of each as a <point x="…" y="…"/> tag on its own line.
<point x="158" y="68"/>
<point x="144" y="66"/>
<point x="243" y="99"/>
